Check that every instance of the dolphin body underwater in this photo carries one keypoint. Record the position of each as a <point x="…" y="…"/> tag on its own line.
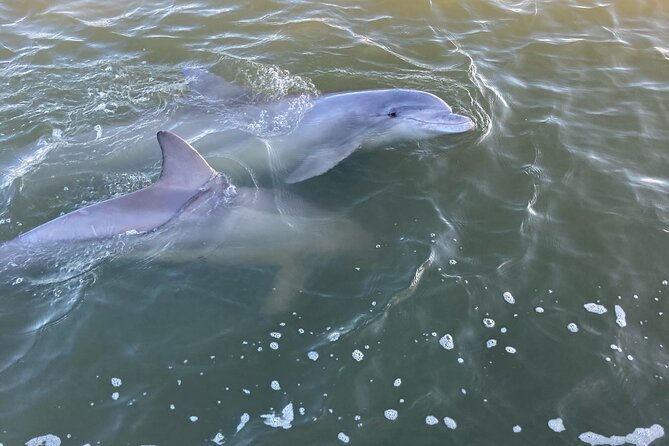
<point x="190" y="212"/>
<point x="331" y="127"/>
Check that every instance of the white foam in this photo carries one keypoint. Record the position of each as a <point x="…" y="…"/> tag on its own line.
<point x="517" y="429"/>
<point x="490" y="343"/>
<point x="510" y="349"/>
<point x="556" y="425"/>
<point x="275" y="335"/>
<point x="572" y="327"/>
<point x="44" y="440"/>
<point x="312" y="355"/>
<point x="275" y="385"/>
<point x="595" y="308"/>
<point x="620" y="316"/>
<point x="539" y="309"/>
<point x="431" y="420"/>
<point x="640" y="437"/>
<point x="489" y="323"/>
<point x="397" y="382"/>
<point x="115" y="396"/>
<point x="283" y="420"/>
<point x="343" y="437"/>
<point x="116" y="382"/>
<point x="390" y="414"/>
<point x="274" y="345"/>
<point x="447" y="342"/>
<point x="509" y="297"/>
<point x="242" y="421"/>
<point x="193" y="418"/>
<point x="218" y="439"/>
<point x="358" y="355"/>
<point x="450" y="423"/>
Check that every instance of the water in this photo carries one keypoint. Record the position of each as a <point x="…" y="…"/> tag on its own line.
<point x="558" y="199"/>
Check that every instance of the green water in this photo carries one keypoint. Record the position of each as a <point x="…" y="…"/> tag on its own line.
<point x="559" y="198"/>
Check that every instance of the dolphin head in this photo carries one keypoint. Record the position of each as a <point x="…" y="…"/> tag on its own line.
<point x="413" y="114"/>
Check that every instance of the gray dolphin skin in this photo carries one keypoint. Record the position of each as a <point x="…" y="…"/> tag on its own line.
<point x="333" y="126"/>
<point x="192" y="212"/>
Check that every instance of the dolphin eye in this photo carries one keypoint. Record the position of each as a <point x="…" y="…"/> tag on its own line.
<point x="392" y="114"/>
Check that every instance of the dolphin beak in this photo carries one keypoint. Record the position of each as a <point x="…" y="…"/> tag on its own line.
<point x="443" y="122"/>
<point x="454" y="123"/>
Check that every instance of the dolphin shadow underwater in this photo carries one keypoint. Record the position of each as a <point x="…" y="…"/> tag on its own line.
<point x="191" y="212"/>
<point x="330" y="127"/>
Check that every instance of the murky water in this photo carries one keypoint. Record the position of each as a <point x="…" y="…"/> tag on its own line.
<point x="511" y="286"/>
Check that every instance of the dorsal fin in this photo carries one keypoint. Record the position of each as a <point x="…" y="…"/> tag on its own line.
<point x="183" y="166"/>
<point x="215" y="87"/>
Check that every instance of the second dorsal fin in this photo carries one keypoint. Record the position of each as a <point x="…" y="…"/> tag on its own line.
<point x="215" y="87"/>
<point x="183" y="166"/>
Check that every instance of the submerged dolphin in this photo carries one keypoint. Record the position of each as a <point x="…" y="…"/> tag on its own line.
<point x="332" y="126"/>
<point x="189" y="213"/>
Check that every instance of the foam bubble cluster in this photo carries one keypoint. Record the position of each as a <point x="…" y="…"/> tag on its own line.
<point x="390" y="414"/>
<point x="595" y="308"/>
<point x="447" y="342"/>
<point x="509" y="297"/>
<point x="556" y="424"/>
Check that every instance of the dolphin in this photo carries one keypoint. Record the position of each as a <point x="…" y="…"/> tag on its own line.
<point x="191" y="212"/>
<point x="331" y="127"/>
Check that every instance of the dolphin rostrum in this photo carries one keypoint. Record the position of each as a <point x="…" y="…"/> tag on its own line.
<point x="332" y="126"/>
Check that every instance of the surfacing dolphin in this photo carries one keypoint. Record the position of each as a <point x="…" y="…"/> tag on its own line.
<point x="191" y="212"/>
<point x="333" y="125"/>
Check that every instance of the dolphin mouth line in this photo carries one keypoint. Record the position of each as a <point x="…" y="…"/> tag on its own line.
<point x="469" y="123"/>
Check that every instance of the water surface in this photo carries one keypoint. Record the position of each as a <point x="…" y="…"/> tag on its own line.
<point x="501" y="238"/>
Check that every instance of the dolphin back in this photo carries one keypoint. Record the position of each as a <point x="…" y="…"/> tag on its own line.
<point x="184" y="175"/>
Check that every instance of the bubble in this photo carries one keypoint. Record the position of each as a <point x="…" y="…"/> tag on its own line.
<point x="243" y="420"/>
<point x="640" y="437"/>
<point x="431" y="420"/>
<point x="539" y="309"/>
<point x="397" y="382"/>
<point x="343" y="437"/>
<point x="517" y="429"/>
<point x="556" y="425"/>
<point x="283" y="420"/>
<point x="274" y="345"/>
<point x="620" y="316"/>
<point x="116" y="382"/>
<point x="572" y="327"/>
<point x="490" y="343"/>
<point x="357" y="355"/>
<point x="44" y="440"/>
<point x="595" y="308"/>
<point x="450" y="423"/>
<point x="390" y="414"/>
<point x="489" y="323"/>
<point x="275" y="385"/>
<point x="115" y="396"/>
<point x="509" y="297"/>
<point x="447" y="342"/>
<point x="510" y="349"/>
<point x="218" y="439"/>
<point x="275" y="335"/>
<point x="312" y="355"/>
<point x="193" y="418"/>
